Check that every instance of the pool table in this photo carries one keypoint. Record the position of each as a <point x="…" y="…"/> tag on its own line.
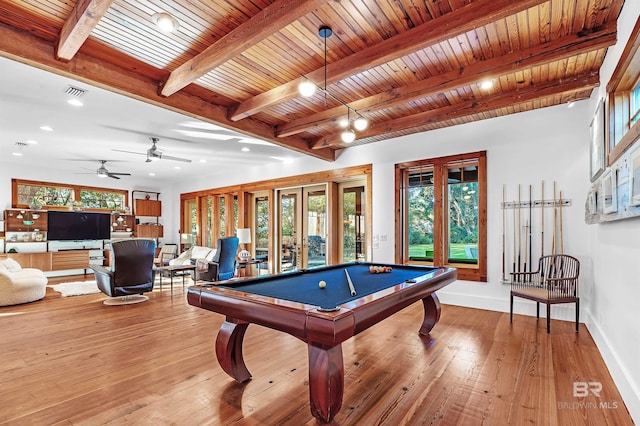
<point x="295" y="303"/>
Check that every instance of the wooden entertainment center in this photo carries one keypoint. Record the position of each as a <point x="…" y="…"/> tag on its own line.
<point x="24" y="237"/>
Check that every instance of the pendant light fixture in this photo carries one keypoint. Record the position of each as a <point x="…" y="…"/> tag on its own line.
<point x="307" y="88"/>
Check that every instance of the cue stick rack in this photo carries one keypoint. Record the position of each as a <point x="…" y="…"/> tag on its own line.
<point x="531" y="225"/>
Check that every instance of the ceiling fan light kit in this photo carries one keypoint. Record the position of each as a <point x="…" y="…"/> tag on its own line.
<point x="307" y="89"/>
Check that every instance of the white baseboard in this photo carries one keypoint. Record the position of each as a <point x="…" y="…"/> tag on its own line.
<point x="629" y="390"/>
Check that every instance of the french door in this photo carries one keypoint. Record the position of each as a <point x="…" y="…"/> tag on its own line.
<point x="302" y="227"/>
<point x="353" y="219"/>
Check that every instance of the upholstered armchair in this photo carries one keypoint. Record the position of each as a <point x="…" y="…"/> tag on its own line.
<point x="131" y="273"/>
<point x="222" y="266"/>
<point x="166" y="254"/>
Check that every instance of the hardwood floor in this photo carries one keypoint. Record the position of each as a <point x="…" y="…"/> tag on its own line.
<point x="73" y="360"/>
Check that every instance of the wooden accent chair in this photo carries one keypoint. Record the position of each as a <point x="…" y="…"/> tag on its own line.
<point x="555" y="281"/>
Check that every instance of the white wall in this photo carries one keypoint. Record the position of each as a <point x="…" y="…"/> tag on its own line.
<point x="613" y="305"/>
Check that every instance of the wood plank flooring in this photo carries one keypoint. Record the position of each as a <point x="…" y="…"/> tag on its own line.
<point x="73" y="360"/>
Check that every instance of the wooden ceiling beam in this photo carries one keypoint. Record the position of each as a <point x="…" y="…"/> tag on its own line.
<point x="83" y="19"/>
<point x="474" y="106"/>
<point x="556" y="50"/>
<point x="23" y="47"/>
<point x="467" y="18"/>
<point x="260" y="26"/>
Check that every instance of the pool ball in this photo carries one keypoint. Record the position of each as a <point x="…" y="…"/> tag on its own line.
<point x="322" y="284"/>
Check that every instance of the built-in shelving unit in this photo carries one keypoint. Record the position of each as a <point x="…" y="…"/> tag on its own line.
<point x="23" y="237"/>
<point x="147" y="209"/>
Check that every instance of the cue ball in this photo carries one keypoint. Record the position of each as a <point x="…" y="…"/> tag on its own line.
<point x="322" y="284"/>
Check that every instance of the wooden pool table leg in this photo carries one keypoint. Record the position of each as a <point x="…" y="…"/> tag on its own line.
<point x="229" y="349"/>
<point x="431" y="313"/>
<point x="326" y="381"/>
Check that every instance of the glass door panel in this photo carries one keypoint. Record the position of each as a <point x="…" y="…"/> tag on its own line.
<point x="261" y="231"/>
<point x="302" y="228"/>
<point x="315" y="229"/>
<point x="353" y="222"/>
<point x="289" y="216"/>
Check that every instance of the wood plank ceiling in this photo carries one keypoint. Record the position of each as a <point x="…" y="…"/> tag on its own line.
<point x="407" y="66"/>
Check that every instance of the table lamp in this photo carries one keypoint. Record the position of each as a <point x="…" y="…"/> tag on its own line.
<point x="244" y="237"/>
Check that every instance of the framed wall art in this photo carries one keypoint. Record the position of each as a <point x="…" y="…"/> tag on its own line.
<point x="597" y="152"/>
<point x="609" y="191"/>
<point x="634" y="177"/>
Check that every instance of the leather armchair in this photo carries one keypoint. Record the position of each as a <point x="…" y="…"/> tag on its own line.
<point x="223" y="265"/>
<point x="131" y="273"/>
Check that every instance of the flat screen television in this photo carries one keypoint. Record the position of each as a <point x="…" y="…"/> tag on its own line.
<point x="78" y="226"/>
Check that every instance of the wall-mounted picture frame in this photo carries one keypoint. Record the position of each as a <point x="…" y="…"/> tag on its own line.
<point x="592" y="202"/>
<point x="634" y="176"/>
<point x="596" y="130"/>
<point x="609" y="191"/>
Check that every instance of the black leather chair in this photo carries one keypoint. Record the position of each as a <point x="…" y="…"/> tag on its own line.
<point x="131" y="272"/>
<point x="223" y="265"/>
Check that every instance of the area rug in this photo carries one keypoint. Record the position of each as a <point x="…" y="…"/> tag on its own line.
<point x="76" y="288"/>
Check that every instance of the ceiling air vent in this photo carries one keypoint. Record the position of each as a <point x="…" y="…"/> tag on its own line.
<point x="75" y="91"/>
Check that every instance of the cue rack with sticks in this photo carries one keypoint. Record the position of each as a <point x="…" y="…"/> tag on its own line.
<point x="533" y="227"/>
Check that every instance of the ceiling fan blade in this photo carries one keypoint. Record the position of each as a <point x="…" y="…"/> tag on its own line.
<point x="168" y="157"/>
<point x="119" y="174"/>
<point x="112" y="176"/>
<point x="129" y="152"/>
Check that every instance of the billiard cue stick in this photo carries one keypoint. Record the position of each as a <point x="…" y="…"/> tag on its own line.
<point x="503" y="232"/>
<point x="514" y="237"/>
<point x="519" y="230"/>
<point x="560" y="220"/>
<point x="353" y="290"/>
<point x="530" y="223"/>
<point x="555" y="219"/>
<point x="542" y="225"/>
<point x="526" y="227"/>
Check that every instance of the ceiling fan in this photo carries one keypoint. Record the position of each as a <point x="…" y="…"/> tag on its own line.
<point x="154" y="153"/>
<point x="103" y="172"/>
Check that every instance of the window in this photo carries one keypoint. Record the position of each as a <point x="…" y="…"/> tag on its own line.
<point x="43" y="195"/>
<point x="443" y="213"/>
<point x="56" y="195"/>
<point x="623" y="94"/>
<point x="102" y="199"/>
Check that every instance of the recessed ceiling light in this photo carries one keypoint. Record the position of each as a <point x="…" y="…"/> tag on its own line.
<point x="245" y="149"/>
<point x="177" y="167"/>
<point x="46" y="128"/>
<point x="17" y="154"/>
<point x="165" y="22"/>
<point x="152" y="174"/>
<point x="486" y="85"/>
<point x="571" y="104"/>
<point x="203" y="160"/>
<point x="31" y="142"/>
<point x="75" y="102"/>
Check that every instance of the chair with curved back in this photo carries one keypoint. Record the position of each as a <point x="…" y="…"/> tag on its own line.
<point x="555" y="281"/>
<point x="223" y="264"/>
<point x="131" y="273"/>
